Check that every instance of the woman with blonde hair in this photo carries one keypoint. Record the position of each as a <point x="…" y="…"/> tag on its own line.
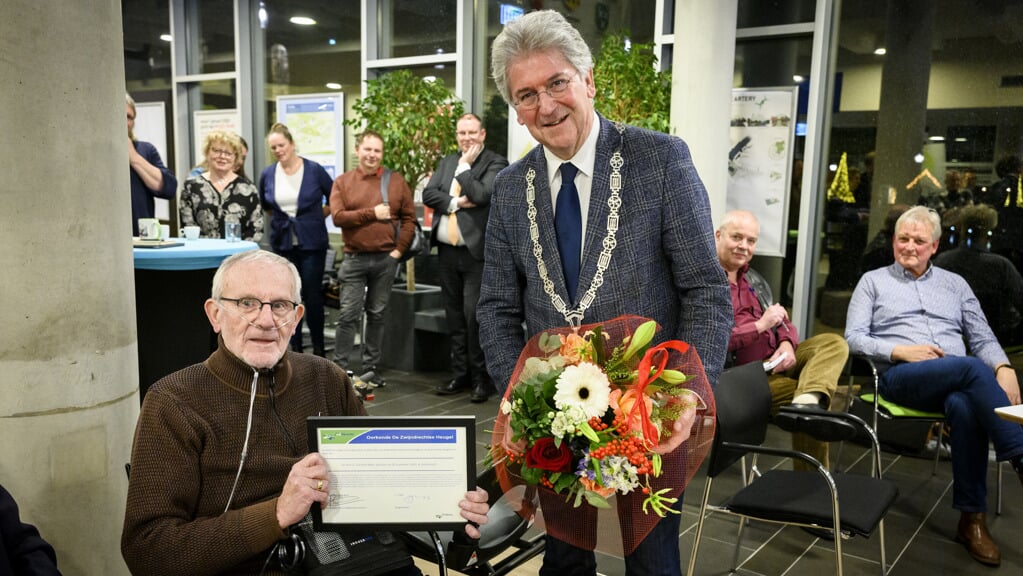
<point x="208" y="199"/>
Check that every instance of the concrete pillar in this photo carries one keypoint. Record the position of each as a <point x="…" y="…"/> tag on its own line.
<point x="68" y="363"/>
<point x="701" y="89"/>
<point x="902" y="113"/>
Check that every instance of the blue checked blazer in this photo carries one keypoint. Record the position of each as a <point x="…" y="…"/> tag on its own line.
<point x="664" y="266"/>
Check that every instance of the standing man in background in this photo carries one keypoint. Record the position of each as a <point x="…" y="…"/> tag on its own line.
<point x="375" y="235"/>
<point x="149" y="177"/>
<point x="599" y="221"/>
<point x="459" y="193"/>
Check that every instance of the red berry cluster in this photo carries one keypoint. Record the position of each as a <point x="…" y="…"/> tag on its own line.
<point x="631" y="447"/>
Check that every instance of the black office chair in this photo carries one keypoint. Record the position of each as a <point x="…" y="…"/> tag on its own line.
<point x="847" y="504"/>
<point x="510" y="516"/>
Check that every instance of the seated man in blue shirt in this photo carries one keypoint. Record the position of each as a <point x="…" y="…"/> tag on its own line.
<point x="916" y="320"/>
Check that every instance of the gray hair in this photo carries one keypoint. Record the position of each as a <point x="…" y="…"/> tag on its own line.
<point x="260" y="256"/>
<point x="921" y="215"/>
<point x="541" y="31"/>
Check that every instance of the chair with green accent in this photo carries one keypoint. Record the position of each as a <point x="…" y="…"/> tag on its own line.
<point x="885" y="410"/>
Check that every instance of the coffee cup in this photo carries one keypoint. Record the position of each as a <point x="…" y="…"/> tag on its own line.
<point x="191" y="232"/>
<point x="149" y="229"/>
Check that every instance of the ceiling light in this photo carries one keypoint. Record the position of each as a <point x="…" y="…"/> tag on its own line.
<point x="880" y="51"/>
<point x="797" y="78"/>
<point x="833" y="167"/>
<point x="302" y="20"/>
<point x="333" y="85"/>
<point x="331" y="41"/>
<point x="937" y="138"/>
<point x="960" y="139"/>
<point x="166" y="37"/>
<point x="919" y="158"/>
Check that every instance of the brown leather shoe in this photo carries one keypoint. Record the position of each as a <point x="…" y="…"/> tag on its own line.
<point x="974" y="535"/>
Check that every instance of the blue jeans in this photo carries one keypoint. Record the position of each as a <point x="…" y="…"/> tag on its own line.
<point x="310" y="264"/>
<point x="366" y="280"/>
<point x="966" y="391"/>
<point x="656" y="555"/>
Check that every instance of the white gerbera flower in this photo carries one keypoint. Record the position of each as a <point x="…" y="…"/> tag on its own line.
<point x="584" y="385"/>
<point x="506" y="407"/>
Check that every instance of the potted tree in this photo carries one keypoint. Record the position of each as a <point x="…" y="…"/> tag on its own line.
<point x="629" y="86"/>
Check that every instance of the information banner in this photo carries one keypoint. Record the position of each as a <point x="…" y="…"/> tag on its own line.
<point x="760" y="160"/>
<point x="316" y="121"/>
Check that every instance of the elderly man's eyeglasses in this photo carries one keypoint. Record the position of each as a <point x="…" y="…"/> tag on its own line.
<point x="556" y="89"/>
<point x="221" y="152"/>
<point x="281" y="309"/>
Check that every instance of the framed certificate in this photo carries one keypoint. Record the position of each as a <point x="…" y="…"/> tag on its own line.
<point x="394" y="473"/>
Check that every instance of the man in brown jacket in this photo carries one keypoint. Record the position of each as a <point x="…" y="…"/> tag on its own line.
<point x="376" y="232"/>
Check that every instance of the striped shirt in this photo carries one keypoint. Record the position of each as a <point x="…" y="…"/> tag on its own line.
<point x="890" y="308"/>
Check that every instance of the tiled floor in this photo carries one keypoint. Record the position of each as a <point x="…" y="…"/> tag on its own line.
<point x="919" y="529"/>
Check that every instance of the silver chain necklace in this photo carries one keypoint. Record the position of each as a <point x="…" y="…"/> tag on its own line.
<point x="574" y="317"/>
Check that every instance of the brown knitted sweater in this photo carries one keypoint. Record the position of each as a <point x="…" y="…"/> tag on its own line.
<point x="187" y="446"/>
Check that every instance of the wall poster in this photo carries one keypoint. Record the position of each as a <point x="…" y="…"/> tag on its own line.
<point x="762" y="135"/>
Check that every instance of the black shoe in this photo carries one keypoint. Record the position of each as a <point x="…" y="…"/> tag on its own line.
<point x="815" y="421"/>
<point x="453" y="387"/>
<point x="319" y="352"/>
<point x="479" y="394"/>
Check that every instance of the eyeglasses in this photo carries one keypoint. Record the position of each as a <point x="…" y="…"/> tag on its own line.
<point x="281" y="309"/>
<point x="556" y="89"/>
<point x="219" y="152"/>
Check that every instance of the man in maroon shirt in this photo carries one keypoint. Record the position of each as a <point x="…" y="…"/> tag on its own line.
<point x="805" y="373"/>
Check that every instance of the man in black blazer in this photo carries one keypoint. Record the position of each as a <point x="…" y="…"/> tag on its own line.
<point x="459" y="193"/>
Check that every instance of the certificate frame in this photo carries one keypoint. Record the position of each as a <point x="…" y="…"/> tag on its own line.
<point x="407" y="473"/>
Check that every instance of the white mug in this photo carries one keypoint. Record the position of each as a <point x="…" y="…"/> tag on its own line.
<point x="149" y="229"/>
<point x="191" y="232"/>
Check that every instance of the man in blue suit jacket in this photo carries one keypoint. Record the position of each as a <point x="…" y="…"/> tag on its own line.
<point x="647" y="244"/>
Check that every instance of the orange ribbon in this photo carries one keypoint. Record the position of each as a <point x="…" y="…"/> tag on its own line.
<point x="656" y="357"/>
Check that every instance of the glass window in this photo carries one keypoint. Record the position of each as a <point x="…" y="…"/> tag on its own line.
<point x="755" y="13"/>
<point x="780" y="62"/>
<point x="929" y="118"/>
<point x="147" y="60"/>
<point x="215" y="30"/>
<point x="417" y="28"/>
<point x="309" y="58"/>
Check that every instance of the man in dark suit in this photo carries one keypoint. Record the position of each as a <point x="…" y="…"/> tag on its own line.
<point x="459" y="193"/>
<point x="628" y="232"/>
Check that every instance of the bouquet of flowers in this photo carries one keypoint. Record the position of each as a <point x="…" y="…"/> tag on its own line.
<point x="588" y="413"/>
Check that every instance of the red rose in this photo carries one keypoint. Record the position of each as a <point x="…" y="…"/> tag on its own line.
<point x="546" y="456"/>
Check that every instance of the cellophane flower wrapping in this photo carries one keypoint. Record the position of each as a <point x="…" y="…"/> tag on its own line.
<point x="586" y="408"/>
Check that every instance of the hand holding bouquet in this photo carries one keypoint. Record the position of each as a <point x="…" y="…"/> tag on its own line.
<point x="590" y="419"/>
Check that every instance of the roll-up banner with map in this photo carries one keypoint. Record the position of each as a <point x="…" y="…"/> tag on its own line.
<point x="762" y="135"/>
<point x="316" y="121"/>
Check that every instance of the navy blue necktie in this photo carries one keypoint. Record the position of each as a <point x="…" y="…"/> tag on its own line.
<point x="568" y="225"/>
